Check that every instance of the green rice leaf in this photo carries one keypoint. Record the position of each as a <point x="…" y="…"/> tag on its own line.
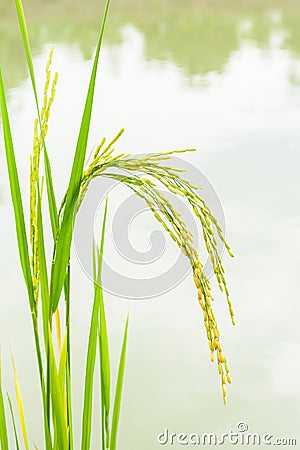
<point x="25" y="38"/>
<point x="69" y="406"/>
<point x="62" y="253"/>
<point x="63" y="365"/>
<point x="104" y="373"/>
<point x="91" y="354"/>
<point x="57" y="398"/>
<point x="104" y="354"/>
<point x="16" y="196"/>
<point x="13" y="422"/>
<point x="118" y="393"/>
<point x="3" y="428"/>
<point x="50" y="194"/>
<point x="43" y="272"/>
<point x="68" y="371"/>
<point x="42" y="381"/>
<point x="89" y="378"/>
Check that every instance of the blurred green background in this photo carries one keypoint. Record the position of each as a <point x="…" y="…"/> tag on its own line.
<point x="197" y="35"/>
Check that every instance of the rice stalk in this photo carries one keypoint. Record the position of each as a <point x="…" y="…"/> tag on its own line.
<point x="57" y="399"/>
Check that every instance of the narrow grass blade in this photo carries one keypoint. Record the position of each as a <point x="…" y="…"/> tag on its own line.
<point x="68" y="373"/>
<point x="103" y="342"/>
<point x="50" y="194"/>
<point x="63" y="365"/>
<point x="25" y="37"/>
<point x="13" y="422"/>
<point x="42" y="381"/>
<point x="104" y="352"/>
<point x="91" y="355"/>
<point x="118" y="393"/>
<point x="20" y="405"/>
<point x="16" y="196"/>
<point x="3" y="428"/>
<point x="43" y="272"/>
<point x="62" y="253"/>
<point x="57" y="398"/>
<point x="45" y="313"/>
<point x="104" y="373"/>
<point x="89" y="378"/>
<point x="62" y="370"/>
<point x="58" y="329"/>
<point x="69" y="407"/>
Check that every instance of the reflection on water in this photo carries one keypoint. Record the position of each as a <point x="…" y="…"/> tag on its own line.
<point x="198" y="40"/>
<point x="227" y="84"/>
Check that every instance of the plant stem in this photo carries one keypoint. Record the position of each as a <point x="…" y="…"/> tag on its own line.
<point x="42" y="381"/>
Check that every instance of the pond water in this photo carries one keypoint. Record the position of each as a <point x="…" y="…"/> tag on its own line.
<point x="226" y="81"/>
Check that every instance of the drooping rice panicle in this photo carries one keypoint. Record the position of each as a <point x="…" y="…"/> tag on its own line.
<point x="131" y="171"/>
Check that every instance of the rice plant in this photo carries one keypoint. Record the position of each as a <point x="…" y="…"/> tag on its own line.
<point x="48" y="282"/>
